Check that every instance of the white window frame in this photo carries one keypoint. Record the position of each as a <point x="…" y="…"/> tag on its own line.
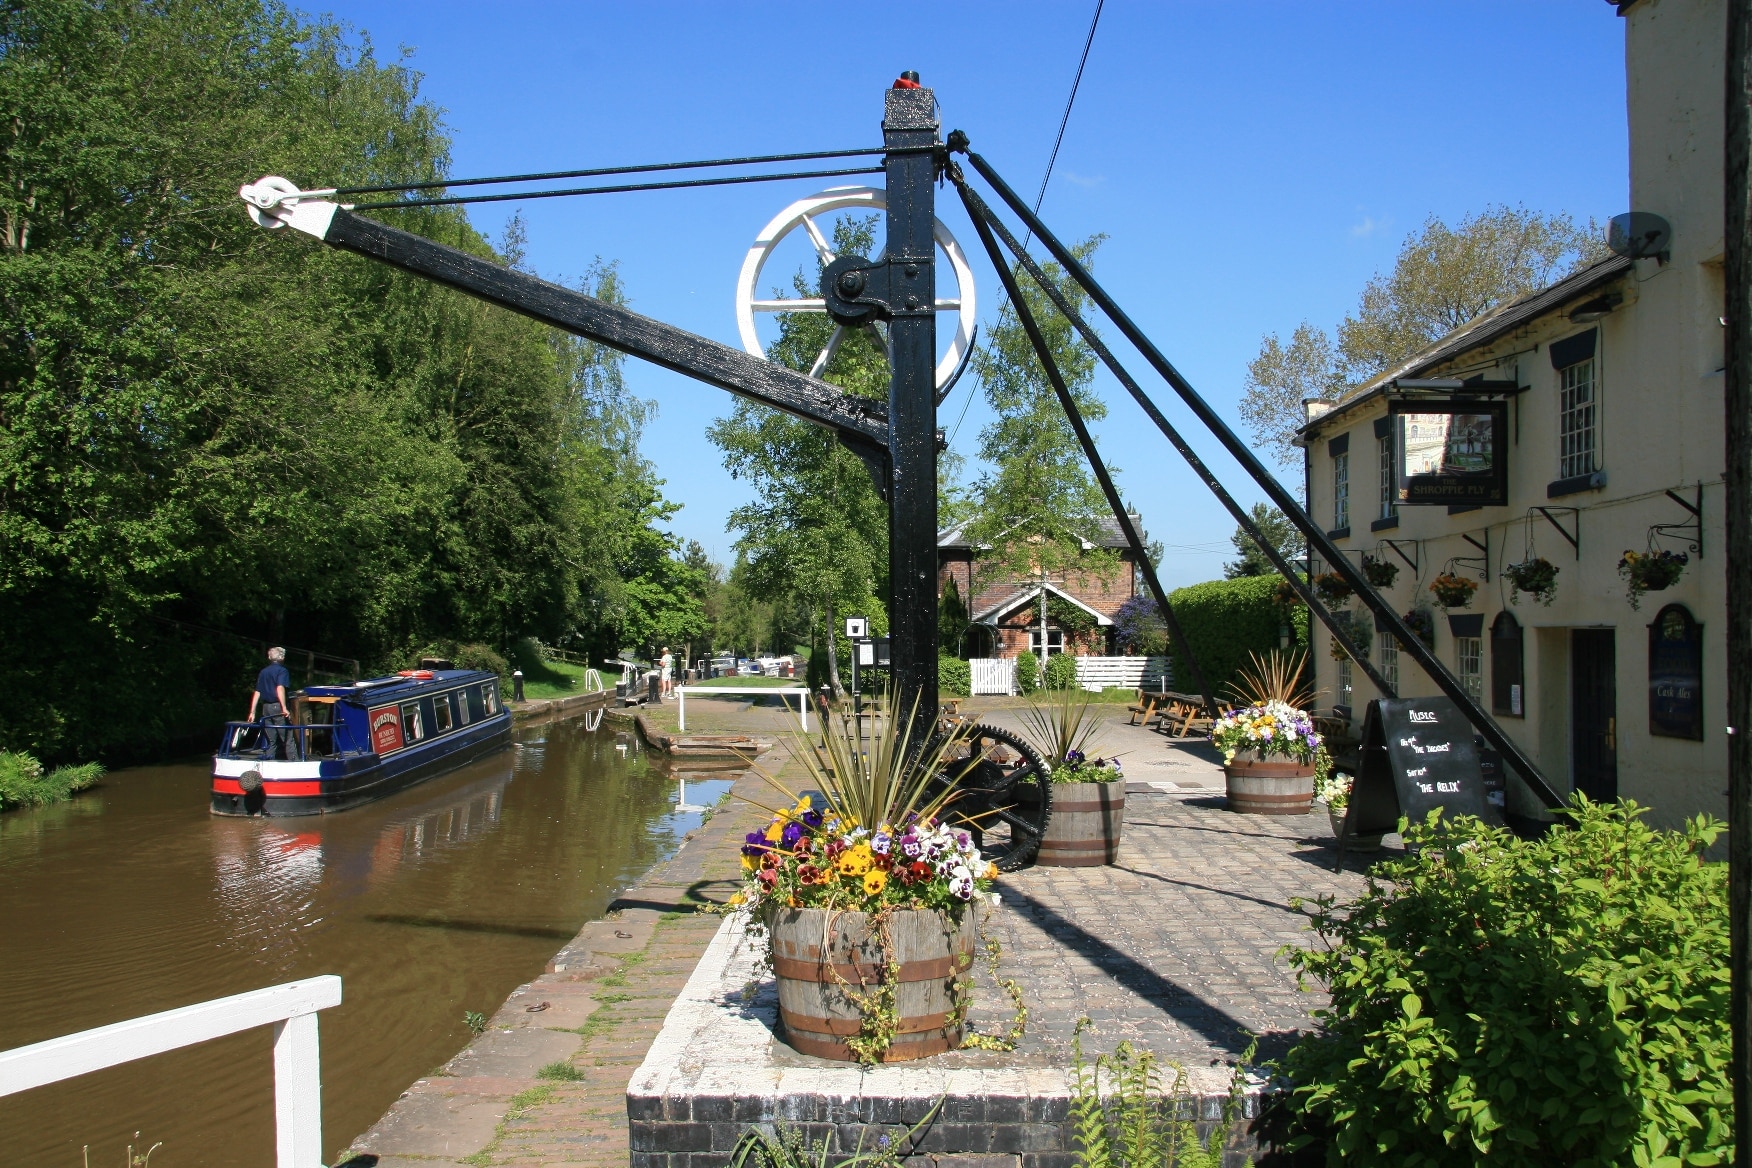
<point x="1387" y="659"/>
<point x="1389" y="505"/>
<point x="413" y="723"/>
<point x="1578" y="419"/>
<point x="1055" y="641"/>
<point x="1341" y="491"/>
<point x="1469" y="665"/>
<point x="1345" y="679"/>
<point x="443" y="714"/>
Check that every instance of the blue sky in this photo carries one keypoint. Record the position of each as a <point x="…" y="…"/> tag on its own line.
<point x="1251" y="164"/>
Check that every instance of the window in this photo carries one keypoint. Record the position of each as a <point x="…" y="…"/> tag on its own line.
<point x="1055" y="641"/>
<point x="413" y="727"/>
<point x="1387" y="659"/>
<point x="1469" y="656"/>
<point x="1344" y="682"/>
<point x="1505" y="667"/>
<point x="490" y="695"/>
<point x="442" y="719"/>
<point x="1389" y="508"/>
<point x="1341" y="491"/>
<point x="1578" y="419"/>
<point x="463" y="715"/>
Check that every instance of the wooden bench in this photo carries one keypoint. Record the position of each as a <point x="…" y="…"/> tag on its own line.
<point x="1185" y="716"/>
<point x="1149" y="705"/>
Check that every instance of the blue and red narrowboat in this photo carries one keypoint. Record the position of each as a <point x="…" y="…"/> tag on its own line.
<point x="355" y="743"/>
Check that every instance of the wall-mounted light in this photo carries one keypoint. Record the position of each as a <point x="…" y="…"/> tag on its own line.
<point x="1596" y="308"/>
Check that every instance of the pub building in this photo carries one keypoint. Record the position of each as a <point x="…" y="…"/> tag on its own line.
<point x="1571" y="426"/>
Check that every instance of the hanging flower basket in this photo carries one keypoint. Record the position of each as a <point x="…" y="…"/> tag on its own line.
<point x="1650" y="572"/>
<point x="1422" y="622"/>
<point x="1286" y="594"/>
<point x="1453" y="591"/>
<point x="1536" y="577"/>
<point x="1359" y="631"/>
<point x="1380" y="573"/>
<point x="1332" y="587"/>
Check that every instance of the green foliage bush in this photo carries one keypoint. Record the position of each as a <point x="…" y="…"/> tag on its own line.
<point x="1525" y="1003"/>
<point x="1027" y="671"/>
<point x="1061" y="672"/>
<point x="954" y="677"/>
<point x="23" y="783"/>
<point x="1147" y="1117"/>
<point x="465" y="656"/>
<point x="1225" y="620"/>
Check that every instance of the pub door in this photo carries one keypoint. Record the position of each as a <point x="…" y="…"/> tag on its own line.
<point x="1594" y="712"/>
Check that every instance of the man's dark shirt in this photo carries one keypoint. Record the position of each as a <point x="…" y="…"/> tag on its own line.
<point x="268" y="678"/>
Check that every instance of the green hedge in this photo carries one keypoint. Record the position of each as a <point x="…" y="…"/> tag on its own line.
<point x="954" y="677"/>
<point x="1027" y="671"/>
<point x="1225" y="620"/>
<point x="1061" y="672"/>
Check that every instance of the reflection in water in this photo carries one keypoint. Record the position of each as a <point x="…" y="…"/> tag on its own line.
<point x="437" y="901"/>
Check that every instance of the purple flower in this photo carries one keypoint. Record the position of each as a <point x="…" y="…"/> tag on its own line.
<point x="756" y="843"/>
<point x="812" y="819"/>
<point x="792" y="833"/>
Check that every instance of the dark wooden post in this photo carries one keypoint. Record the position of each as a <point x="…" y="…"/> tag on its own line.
<point x="1737" y="393"/>
<point x="910" y="121"/>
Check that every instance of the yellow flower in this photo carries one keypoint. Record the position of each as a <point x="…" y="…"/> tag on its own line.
<point x="803" y="804"/>
<point x="774" y="830"/>
<point x="856" y="861"/>
<point x="737" y="898"/>
<point x="748" y="863"/>
<point x="875" y="881"/>
<point x="991" y="872"/>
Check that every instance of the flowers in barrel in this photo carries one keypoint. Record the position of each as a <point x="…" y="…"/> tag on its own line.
<point x="808" y="857"/>
<point x="1064" y="731"/>
<point x="1078" y="767"/>
<point x="1269" y="730"/>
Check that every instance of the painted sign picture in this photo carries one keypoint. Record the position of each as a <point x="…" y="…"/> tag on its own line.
<point x="1450" y="453"/>
<point x="386" y="731"/>
<point x="1676" y="674"/>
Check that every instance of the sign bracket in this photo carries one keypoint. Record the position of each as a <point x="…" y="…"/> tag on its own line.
<point x="1575" y="541"/>
<point x="1397" y="546"/>
<point x="1482" y="559"/>
<point x="1689" y="532"/>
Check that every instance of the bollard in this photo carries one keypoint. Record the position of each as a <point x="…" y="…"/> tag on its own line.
<point x="653" y="691"/>
<point x="517" y="685"/>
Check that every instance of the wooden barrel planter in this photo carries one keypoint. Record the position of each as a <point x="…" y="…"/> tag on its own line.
<point x="1083" y="830"/>
<point x="1278" y="787"/>
<point x="813" y="950"/>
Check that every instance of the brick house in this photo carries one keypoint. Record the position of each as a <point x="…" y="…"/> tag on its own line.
<point x="1004" y="608"/>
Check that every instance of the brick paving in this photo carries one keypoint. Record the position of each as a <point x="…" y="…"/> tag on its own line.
<point x="1174" y="948"/>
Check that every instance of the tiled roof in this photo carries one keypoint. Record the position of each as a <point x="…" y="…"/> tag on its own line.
<point x="1489" y="327"/>
<point x="1102" y="531"/>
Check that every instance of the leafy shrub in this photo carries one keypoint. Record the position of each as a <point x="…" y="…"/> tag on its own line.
<point x="1137" y="626"/>
<point x="1507" y="1002"/>
<point x="1226" y="620"/>
<point x="954" y="677"/>
<point x="1061" y="672"/>
<point x="1147" y="1119"/>
<point x="469" y="656"/>
<point x="23" y="783"/>
<point x="1027" y="671"/>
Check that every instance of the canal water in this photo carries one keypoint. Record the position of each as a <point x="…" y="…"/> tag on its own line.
<point x="429" y="904"/>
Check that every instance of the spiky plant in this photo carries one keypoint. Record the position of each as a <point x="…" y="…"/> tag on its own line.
<point x="1060" y="725"/>
<point x="1275" y="676"/>
<point x="884" y="773"/>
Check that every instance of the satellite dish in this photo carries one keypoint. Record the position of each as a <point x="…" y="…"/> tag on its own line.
<point x="1639" y="235"/>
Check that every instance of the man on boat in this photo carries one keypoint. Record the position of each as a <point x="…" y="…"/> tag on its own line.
<point x="270" y="697"/>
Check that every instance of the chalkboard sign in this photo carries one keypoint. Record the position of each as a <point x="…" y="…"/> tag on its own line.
<point x="1418" y="755"/>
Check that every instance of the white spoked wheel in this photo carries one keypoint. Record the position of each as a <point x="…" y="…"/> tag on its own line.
<point x="803" y="214"/>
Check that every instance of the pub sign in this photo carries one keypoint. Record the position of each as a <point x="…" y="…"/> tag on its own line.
<point x="1676" y="674"/>
<point x="1453" y="451"/>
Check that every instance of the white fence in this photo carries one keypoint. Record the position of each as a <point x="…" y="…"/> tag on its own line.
<point x="291" y="1010"/>
<point x="1125" y="672"/>
<point x="997" y="675"/>
<point x="993" y="675"/>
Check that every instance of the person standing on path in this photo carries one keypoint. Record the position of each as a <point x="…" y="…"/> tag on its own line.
<point x="665" y="672"/>
<point x="270" y="697"/>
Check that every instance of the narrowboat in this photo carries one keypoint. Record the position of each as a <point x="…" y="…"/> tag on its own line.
<point x="355" y="743"/>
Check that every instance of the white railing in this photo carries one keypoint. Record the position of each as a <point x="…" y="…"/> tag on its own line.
<point x="290" y="1009"/>
<point x="992" y="675"/>
<point x="681" y="692"/>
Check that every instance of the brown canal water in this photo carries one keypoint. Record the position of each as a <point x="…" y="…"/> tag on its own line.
<point x="439" y="900"/>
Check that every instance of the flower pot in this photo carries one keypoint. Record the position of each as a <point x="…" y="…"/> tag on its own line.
<point x="1357" y="843"/>
<point x="822" y="958"/>
<point x="1083" y="829"/>
<point x="1277" y="787"/>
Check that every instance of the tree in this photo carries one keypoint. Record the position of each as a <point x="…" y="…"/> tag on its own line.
<point x="817" y="534"/>
<point x="1278" y="531"/>
<point x="1037" y="506"/>
<point x="1443" y="278"/>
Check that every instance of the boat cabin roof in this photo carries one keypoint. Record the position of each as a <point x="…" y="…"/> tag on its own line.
<point x="395" y="687"/>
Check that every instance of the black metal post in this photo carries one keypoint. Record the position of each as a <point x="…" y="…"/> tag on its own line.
<point x="1385" y="615"/>
<point x="980" y="213"/>
<point x="909" y="122"/>
<point x="1737" y="227"/>
<point x="1069" y="404"/>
